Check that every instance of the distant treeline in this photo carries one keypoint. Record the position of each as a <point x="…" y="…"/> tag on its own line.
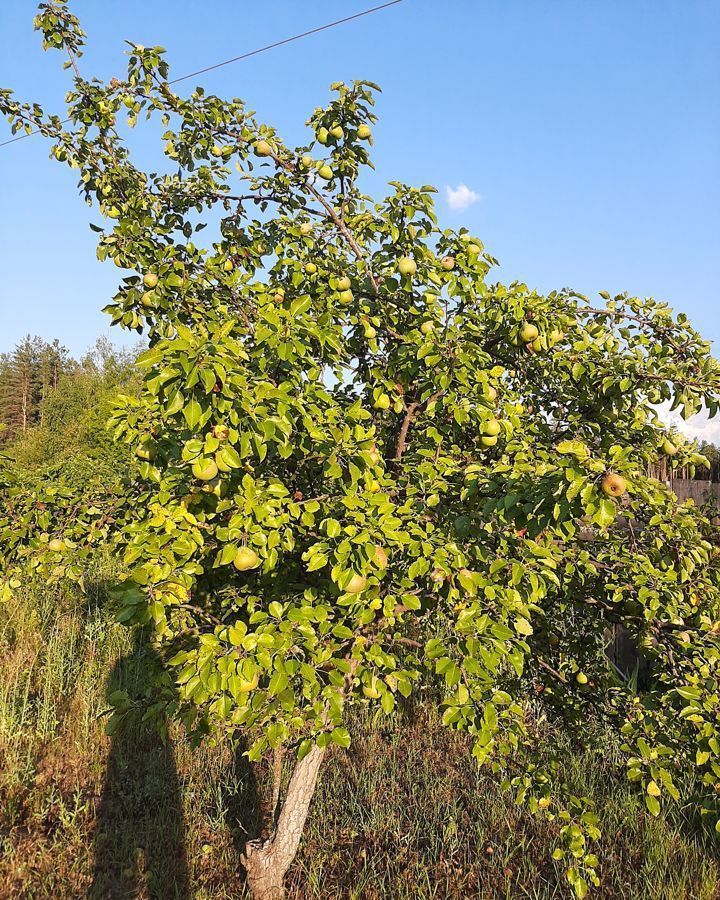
<point x="54" y="408"/>
<point x="27" y="375"/>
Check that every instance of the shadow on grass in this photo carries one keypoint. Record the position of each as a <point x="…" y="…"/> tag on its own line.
<point x="139" y="838"/>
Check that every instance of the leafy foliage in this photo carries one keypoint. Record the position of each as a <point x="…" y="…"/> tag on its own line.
<point x="364" y="466"/>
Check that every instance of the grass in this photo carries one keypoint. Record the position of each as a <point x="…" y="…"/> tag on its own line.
<point x="404" y="814"/>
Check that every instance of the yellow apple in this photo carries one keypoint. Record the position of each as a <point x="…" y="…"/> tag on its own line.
<point x="246" y="558"/>
<point x="380" y="557"/>
<point x="374" y="455"/>
<point x="528" y="333"/>
<point x="614" y="485"/>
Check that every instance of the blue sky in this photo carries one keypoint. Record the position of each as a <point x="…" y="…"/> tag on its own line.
<point x="588" y="131"/>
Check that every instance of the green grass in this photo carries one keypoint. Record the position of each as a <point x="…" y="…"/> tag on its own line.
<point x="404" y="814"/>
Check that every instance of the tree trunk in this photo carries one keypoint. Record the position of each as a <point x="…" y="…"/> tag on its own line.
<point x="267" y="861"/>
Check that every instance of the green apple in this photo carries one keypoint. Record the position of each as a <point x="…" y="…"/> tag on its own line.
<point x="343" y="283"/>
<point x="150" y="279"/>
<point x="488" y="440"/>
<point x="407" y="265"/>
<point x="322" y="135"/>
<point x="325" y="172"/>
<point x="56" y="545"/>
<point x="364" y="132"/>
<point x="306" y="162"/>
<point x="427" y="327"/>
<point x="528" y="333"/>
<point x="337" y="133"/>
<point x="310" y="268"/>
<point x="356" y="585"/>
<point x="382" y="402"/>
<point x="669" y="448"/>
<point x="345" y="298"/>
<point x="448" y="262"/>
<point x="262" y="148"/>
<point x="491" y="427"/>
<point x="305" y="229"/>
<point x="205" y="469"/>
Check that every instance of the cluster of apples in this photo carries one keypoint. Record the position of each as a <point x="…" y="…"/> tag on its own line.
<point x="150" y="280"/>
<point x="206" y="470"/>
<point x="336" y="133"/>
<point x="491" y="430"/>
<point x="534" y="342"/>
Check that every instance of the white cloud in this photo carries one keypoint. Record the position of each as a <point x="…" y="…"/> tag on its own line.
<point x="460" y="197"/>
<point x="700" y="426"/>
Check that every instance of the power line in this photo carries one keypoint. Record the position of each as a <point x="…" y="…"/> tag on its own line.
<point x="288" y="40"/>
<point x="295" y="37"/>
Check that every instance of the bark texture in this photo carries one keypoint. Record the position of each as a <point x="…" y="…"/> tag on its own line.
<point x="266" y="861"/>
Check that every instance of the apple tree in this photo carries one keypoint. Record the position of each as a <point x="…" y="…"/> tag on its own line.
<point x="363" y="466"/>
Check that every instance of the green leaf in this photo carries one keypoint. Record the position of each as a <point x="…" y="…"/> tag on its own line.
<point x="278" y="683"/>
<point x="341" y="737"/>
<point x="193" y="413"/>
